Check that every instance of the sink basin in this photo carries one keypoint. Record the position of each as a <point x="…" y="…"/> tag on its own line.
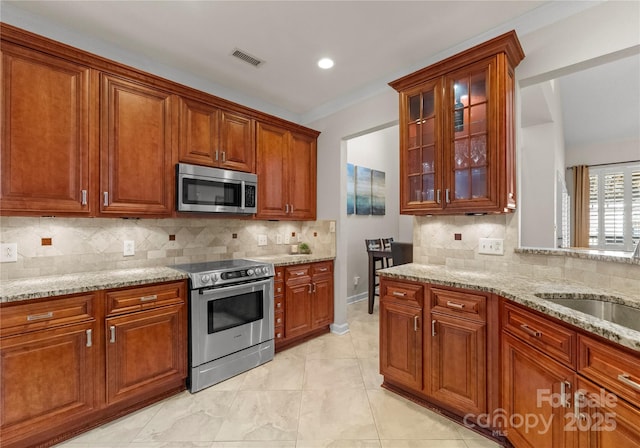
<point x="617" y="313"/>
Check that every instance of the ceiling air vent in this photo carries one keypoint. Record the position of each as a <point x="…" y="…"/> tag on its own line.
<point x="247" y="58"/>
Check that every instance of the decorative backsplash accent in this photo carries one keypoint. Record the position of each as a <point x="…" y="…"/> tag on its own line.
<point x="94" y="244"/>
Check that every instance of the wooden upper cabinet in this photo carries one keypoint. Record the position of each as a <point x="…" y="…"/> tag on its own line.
<point x="136" y="169"/>
<point x="213" y="137"/>
<point x="286" y="168"/>
<point x="45" y="157"/>
<point x="457" y="143"/>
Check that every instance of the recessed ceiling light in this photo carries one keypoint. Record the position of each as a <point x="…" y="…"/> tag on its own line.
<point x="325" y="63"/>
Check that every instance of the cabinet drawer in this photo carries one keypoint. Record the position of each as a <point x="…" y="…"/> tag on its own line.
<point x="402" y="292"/>
<point x="278" y="333"/>
<point x="46" y="314"/>
<point x="278" y="288"/>
<point x="296" y="272"/>
<point x="321" y="268"/>
<point x="147" y="297"/>
<point x="278" y="318"/>
<point x="278" y="303"/>
<point x="552" y="339"/>
<point x="610" y="367"/>
<point x="454" y="303"/>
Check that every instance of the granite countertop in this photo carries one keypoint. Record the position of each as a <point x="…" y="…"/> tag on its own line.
<point x="523" y="290"/>
<point x="50" y="286"/>
<point x="291" y="259"/>
<point x="585" y="254"/>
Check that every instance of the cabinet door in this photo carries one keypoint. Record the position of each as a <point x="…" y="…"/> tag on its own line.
<point x="136" y="172"/>
<point x="47" y="380"/>
<point x="536" y="397"/>
<point x="145" y="351"/>
<point x="458" y="363"/>
<point x="198" y="133"/>
<point x="322" y="303"/>
<point x="604" y="420"/>
<point x="271" y="167"/>
<point x="470" y="144"/>
<point x="45" y="134"/>
<point x="401" y="344"/>
<point x="421" y="154"/>
<point x="236" y="142"/>
<point x="297" y="308"/>
<point x="301" y="175"/>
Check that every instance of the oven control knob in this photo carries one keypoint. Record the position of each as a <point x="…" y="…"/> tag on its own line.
<point x="250" y="272"/>
<point x="205" y="278"/>
<point x="265" y="270"/>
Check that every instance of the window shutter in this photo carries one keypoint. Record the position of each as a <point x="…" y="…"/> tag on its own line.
<point x="613" y="208"/>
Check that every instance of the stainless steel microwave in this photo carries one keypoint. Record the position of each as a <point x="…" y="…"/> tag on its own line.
<point x="213" y="190"/>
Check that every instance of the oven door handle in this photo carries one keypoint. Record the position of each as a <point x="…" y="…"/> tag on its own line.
<point x="231" y="288"/>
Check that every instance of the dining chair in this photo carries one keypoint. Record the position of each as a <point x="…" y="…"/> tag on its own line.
<point x="375" y="244"/>
<point x="401" y="253"/>
<point x="386" y="245"/>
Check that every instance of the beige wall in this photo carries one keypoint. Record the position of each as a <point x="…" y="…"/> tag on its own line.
<point x="86" y="244"/>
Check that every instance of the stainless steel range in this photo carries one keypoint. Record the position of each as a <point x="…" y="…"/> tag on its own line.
<point x="230" y="319"/>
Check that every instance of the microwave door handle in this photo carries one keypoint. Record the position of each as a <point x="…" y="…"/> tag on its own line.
<point x="242" y="199"/>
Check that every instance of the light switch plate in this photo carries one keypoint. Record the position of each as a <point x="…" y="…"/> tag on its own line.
<point x="8" y="252"/>
<point x="287" y="238"/>
<point x="491" y="246"/>
<point x="129" y="248"/>
<point x="332" y="226"/>
<point x="279" y="238"/>
<point x="262" y="240"/>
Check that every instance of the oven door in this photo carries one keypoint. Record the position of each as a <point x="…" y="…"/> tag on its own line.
<point x="228" y="319"/>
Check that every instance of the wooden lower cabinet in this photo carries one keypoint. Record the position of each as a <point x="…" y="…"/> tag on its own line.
<point x="307" y="299"/>
<point x="604" y="420"/>
<point x="401" y="343"/>
<point x="48" y="381"/>
<point x="458" y="363"/>
<point x="536" y="397"/>
<point x="143" y="352"/>
<point x="67" y="366"/>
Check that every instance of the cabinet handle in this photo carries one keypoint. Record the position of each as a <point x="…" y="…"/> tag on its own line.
<point x="455" y="305"/>
<point x="279" y="289"/>
<point x="309" y="288"/>
<point x="578" y="398"/>
<point x="314" y="287"/>
<point x="278" y="335"/>
<point x="433" y="327"/>
<point x="89" y="338"/>
<point x="438" y="196"/>
<point x="84" y="197"/>
<point x="299" y="273"/>
<point x="279" y="305"/>
<point x="112" y="329"/>
<point x="291" y="205"/>
<point x="216" y="155"/>
<point x="278" y="320"/>
<point x="527" y="329"/>
<point x="105" y="198"/>
<point x="32" y="317"/>
<point x="224" y="156"/>
<point x="399" y="294"/>
<point x="415" y="323"/>
<point x="446" y="195"/>
<point x="323" y="269"/>
<point x="286" y="208"/>
<point x="563" y="393"/>
<point x="148" y="298"/>
<point x="624" y="378"/>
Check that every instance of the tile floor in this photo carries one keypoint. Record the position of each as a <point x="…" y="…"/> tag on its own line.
<point x="322" y="394"/>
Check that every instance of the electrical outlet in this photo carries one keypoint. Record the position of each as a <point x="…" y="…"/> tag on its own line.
<point x="129" y="248"/>
<point x="262" y="240"/>
<point x="491" y="246"/>
<point x="279" y="238"/>
<point x="8" y="252"/>
<point x="356" y="279"/>
<point x="287" y="238"/>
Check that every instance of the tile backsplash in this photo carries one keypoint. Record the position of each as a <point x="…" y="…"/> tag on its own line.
<point x="92" y="244"/>
<point x="434" y="243"/>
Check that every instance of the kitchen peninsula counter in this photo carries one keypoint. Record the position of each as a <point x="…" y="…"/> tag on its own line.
<point x="522" y="289"/>
<point x="291" y="259"/>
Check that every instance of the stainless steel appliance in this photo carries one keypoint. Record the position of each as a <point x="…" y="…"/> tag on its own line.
<point x="230" y="319"/>
<point x="213" y="190"/>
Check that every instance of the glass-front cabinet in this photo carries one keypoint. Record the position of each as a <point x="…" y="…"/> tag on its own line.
<point x="457" y="148"/>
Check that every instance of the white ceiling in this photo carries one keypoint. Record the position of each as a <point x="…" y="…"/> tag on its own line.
<point x="372" y="43"/>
